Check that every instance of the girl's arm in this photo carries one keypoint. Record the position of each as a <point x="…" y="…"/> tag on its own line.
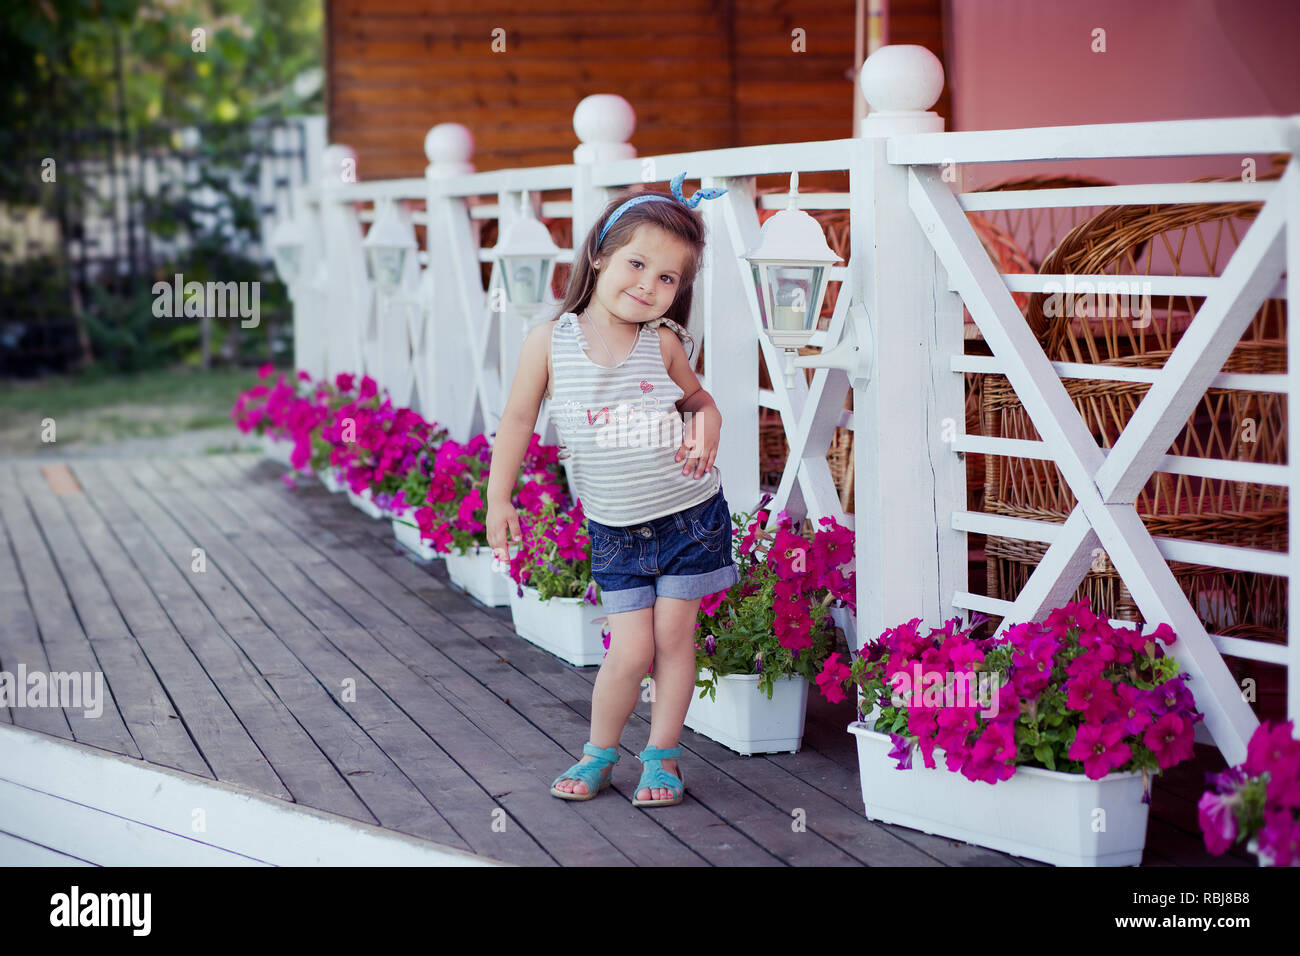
<point x="703" y="420"/>
<point x="513" y="435"/>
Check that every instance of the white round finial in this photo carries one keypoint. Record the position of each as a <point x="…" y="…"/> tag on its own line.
<point x="449" y="144"/>
<point x="604" y="118"/>
<point x="338" y="165"/>
<point x="902" y="77"/>
<point x="604" y="123"/>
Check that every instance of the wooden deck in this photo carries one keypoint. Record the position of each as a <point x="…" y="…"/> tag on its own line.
<point x="237" y="673"/>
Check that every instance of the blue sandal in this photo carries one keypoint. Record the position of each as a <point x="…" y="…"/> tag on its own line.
<point x="655" y="776"/>
<point x="595" y="774"/>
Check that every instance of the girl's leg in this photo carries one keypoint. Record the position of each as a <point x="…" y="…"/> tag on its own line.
<point x="618" y="683"/>
<point x="674" y="678"/>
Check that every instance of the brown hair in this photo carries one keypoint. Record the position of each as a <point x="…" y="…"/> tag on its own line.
<point x="675" y="218"/>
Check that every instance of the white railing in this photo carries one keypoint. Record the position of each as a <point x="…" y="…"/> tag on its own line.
<point x="448" y="346"/>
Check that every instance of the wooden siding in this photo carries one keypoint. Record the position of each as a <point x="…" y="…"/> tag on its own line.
<point x="701" y="74"/>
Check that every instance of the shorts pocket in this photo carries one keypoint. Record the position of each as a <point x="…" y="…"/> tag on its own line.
<point x="710" y="528"/>
<point x="603" y="549"/>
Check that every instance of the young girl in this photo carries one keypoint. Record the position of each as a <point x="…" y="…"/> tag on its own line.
<point x="614" y="365"/>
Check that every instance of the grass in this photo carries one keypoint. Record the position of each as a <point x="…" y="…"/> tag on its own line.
<point x="97" y="409"/>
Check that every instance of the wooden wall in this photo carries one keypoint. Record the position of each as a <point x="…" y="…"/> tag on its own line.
<point x="701" y="74"/>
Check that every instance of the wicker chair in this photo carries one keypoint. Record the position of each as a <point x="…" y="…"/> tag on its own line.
<point x="1124" y="240"/>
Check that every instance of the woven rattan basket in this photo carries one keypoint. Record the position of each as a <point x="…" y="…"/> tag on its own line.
<point x="1121" y="240"/>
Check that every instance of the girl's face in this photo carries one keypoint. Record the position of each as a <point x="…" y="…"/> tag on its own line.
<point x="639" y="281"/>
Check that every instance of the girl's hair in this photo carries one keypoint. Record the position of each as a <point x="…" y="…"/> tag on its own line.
<point x="673" y="217"/>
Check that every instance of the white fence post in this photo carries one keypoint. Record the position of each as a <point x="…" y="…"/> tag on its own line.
<point x="310" y="292"/>
<point x="910" y="561"/>
<point x="730" y="349"/>
<point x="348" y="298"/>
<point x="452" y="289"/>
<point x="603" y="122"/>
<point x="314" y="140"/>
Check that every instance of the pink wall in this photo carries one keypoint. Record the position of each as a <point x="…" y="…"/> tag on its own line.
<point x="1021" y="63"/>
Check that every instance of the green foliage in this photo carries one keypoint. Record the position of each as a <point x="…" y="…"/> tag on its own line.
<point x="124" y="333"/>
<point x="62" y="58"/>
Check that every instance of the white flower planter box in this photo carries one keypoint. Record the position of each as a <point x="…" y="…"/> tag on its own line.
<point x="409" y="538"/>
<point x="1040" y="814"/>
<point x="332" y="479"/>
<point x="279" y="450"/>
<point x="365" y="503"/>
<point x="473" y="574"/>
<point x="567" y="627"/>
<point x="743" y="719"/>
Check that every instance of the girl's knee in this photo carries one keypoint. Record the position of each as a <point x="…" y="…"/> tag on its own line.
<point x="675" y="643"/>
<point x="631" y="652"/>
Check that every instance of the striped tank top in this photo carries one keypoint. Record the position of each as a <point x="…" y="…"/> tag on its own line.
<point x="622" y="429"/>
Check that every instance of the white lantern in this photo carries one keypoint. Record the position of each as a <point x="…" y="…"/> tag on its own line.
<point x="287" y="241"/>
<point x="388" y="244"/>
<point x="789" y="269"/>
<point x="527" y="257"/>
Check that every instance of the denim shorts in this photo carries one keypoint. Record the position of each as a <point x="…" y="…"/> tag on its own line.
<point x="684" y="555"/>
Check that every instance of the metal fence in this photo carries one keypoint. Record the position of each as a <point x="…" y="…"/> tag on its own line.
<point x="104" y="211"/>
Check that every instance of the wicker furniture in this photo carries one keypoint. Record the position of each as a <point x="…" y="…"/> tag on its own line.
<point x="1130" y="240"/>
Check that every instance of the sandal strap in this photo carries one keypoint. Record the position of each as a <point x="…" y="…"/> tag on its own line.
<point x="660" y="753"/>
<point x="605" y="754"/>
<point x="592" y="772"/>
<point x="659" y="777"/>
<point x="654" y="775"/>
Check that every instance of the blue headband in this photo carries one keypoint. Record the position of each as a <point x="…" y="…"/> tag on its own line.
<point x="655" y="197"/>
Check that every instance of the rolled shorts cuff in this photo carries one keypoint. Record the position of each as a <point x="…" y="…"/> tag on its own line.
<point x="627" y="599"/>
<point x="688" y="587"/>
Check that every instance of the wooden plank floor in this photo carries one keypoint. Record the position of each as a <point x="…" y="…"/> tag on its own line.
<point x="276" y="638"/>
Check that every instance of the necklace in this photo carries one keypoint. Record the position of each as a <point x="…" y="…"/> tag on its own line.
<point x="602" y="338"/>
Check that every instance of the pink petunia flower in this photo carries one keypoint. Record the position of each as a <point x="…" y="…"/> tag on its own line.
<point x="831" y="679"/>
<point x="1218" y="821"/>
<point x="1101" y="749"/>
<point x="1092" y="695"/>
<point x="711" y="602"/>
<point x="1170" y="739"/>
<point x="1279" y="838"/>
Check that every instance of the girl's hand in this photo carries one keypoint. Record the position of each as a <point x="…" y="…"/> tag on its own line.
<point x="700" y="441"/>
<point x="502" y="524"/>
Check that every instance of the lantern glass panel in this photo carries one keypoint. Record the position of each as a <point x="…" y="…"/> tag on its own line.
<point x="287" y="258"/>
<point x="796" y="294"/>
<point x="761" y="293"/>
<point x="386" y="266"/>
<point x="526" y="278"/>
